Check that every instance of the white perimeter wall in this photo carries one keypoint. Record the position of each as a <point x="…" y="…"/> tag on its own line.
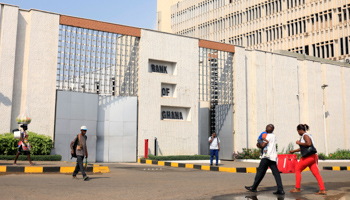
<point x="285" y="90"/>
<point x="175" y="137"/>
<point x="28" y="63"/>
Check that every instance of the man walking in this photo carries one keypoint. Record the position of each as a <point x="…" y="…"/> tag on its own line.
<point x="81" y="152"/>
<point x="214" y="148"/>
<point x="268" y="159"/>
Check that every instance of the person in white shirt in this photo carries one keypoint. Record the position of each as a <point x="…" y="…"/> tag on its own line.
<point x="214" y="148"/>
<point x="268" y="159"/>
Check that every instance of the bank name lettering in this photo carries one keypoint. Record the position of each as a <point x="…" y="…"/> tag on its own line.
<point x="159" y="68"/>
<point x="172" y="115"/>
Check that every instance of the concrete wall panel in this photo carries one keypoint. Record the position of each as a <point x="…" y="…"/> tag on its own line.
<point x="68" y="124"/>
<point x="174" y="136"/>
<point x="8" y="35"/>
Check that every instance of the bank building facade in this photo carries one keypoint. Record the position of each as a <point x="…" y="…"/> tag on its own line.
<point x="129" y="84"/>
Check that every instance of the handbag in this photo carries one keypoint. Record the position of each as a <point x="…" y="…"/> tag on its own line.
<point x="307" y="151"/>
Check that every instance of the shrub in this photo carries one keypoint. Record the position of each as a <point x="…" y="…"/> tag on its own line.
<point x="247" y="154"/>
<point x="40" y="144"/>
<point x="339" y="154"/>
<point x="321" y="156"/>
<point x="180" y="157"/>
<point x="33" y="157"/>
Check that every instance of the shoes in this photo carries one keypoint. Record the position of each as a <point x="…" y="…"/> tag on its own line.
<point x="86" y="178"/>
<point x="74" y="177"/>
<point x="217" y="164"/>
<point x="295" y="190"/>
<point x="250" y="188"/>
<point x="279" y="192"/>
<point x="211" y="164"/>
<point x="321" y="192"/>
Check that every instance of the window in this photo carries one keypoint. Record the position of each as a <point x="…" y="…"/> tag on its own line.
<point x="332" y="50"/>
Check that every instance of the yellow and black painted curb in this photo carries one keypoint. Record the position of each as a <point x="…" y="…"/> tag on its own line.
<point x="200" y="167"/>
<point x="56" y="169"/>
<point x="337" y="168"/>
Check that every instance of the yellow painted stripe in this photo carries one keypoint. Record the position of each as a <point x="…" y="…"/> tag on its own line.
<point x="251" y="169"/>
<point x="139" y="160"/>
<point x="33" y="170"/>
<point x="95" y="165"/>
<point x="101" y="169"/>
<point x="232" y="170"/>
<point x="161" y="163"/>
<point x="336" y="168"/>
<point x="175" y="164"/>
<point x="347" y="168"/>
<point x="2" y="168"/>
<point x="205" y="167"/>
<point x="223" y="169"/>
<point x="189" y="166"/>
<point x="307" y="169"/>
<point x="148" y="161"/>
<point x="67" y="169"/>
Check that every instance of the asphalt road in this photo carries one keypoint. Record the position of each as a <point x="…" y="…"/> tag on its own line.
<point x="141" y="181"/>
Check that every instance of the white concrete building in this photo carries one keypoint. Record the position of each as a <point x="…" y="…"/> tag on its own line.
<point x="128" y="84"/>
<point x="310" y="27"/>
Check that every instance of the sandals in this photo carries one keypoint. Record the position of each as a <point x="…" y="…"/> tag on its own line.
<point x="321" y="192"/>
<point x="295" y="190"/>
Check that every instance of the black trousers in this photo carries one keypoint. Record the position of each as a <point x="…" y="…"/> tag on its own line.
<point x="261" y="171"/>
<point x="79" y="166"/>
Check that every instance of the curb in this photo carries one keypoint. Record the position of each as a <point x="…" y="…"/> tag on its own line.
<point x="200" y="167"/>
<point x="39" y="170"/>
<point x="337" y="168"/>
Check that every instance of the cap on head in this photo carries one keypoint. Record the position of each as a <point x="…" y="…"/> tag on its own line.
<point x="83" y="128"/>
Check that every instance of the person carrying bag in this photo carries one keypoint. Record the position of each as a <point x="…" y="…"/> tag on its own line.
<point x="309" y="159"/>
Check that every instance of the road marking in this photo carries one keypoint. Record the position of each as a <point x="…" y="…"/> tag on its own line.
<point x="251" y="169"/>
<point x="2" y="168"/>
<point x="336" y="168"/>
<point x="33" y="170"/>
<point x="67" y="169"/>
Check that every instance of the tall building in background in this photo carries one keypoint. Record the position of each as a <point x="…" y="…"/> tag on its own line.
<point x="317" y="28"/>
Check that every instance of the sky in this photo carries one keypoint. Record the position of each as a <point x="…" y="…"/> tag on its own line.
<point x="137" y="13"/>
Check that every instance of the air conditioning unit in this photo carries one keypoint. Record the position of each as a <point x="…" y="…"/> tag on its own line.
<point x="347" y="60"/>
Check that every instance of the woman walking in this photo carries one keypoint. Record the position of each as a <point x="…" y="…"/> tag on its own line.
<point x="309" y="159"/>
<point x="23" y="145"/>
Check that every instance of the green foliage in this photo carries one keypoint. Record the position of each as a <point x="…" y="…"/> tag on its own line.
<point x="247" y="154"/>
<point x="322" y="156"/>
<point x="286" y="151"/>
<point x="339" y="154"/>
<point x="40" y="144"/>
<point x="180" y="157"/>
<point x="33" y="157"/>
<point x="8" y="144"/>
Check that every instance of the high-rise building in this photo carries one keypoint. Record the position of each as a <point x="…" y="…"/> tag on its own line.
<point x="317" y="28"/>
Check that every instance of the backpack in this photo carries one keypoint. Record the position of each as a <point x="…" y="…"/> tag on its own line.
<point x="75" y="144"/>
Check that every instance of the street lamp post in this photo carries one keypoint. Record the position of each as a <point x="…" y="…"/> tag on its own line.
<point x="324" y="119"/>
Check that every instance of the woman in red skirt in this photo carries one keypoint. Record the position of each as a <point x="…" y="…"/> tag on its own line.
<point x="307" y="160"/>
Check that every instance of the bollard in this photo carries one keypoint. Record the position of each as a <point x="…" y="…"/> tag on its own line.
<point x="146" y="148"/>
<point x="155" y="146"/>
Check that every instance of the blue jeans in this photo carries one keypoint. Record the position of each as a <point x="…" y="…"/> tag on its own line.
<point x="212" y="152"/>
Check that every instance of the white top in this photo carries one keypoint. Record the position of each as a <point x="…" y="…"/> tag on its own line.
<point x="214" y="143"/>
<point x="303" y="141"/>
<point x="271" y="152"/>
